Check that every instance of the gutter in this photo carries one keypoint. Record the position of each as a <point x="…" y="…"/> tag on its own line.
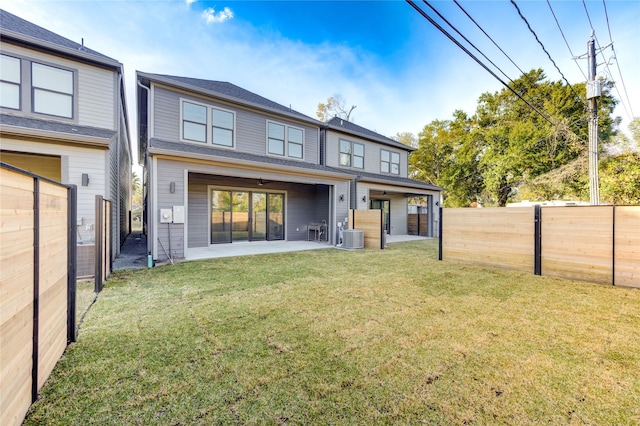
<point x="56" y="136"/>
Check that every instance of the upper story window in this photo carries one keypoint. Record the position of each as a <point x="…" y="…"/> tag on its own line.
<point x="34" y="87"/>
<point x="198" y="118"/>
<point x="285" y="140"/>
<point x="52" y="90"/>
<point x="389" y="162"/>
<point x="10" y="82"/>
<point x="351" y="154"/>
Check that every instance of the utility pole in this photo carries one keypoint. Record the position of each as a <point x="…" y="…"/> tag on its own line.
<point x="593" y="92"/>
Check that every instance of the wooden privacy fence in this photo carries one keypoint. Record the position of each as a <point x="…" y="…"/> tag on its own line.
<point x="369" y="221"/>
<point x="37" y="284"/>
<point x="590" y="243"/>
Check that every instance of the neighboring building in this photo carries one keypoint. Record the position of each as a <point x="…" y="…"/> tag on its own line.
<point x="224" y="165"/>
<point x="63" y="116"/>
<point x="380" y="166"/>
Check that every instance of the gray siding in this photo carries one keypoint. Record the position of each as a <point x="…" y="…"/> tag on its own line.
<point x="371" y="154"/>
<point x="250" y="125"/>
<point x="305" y="203"/>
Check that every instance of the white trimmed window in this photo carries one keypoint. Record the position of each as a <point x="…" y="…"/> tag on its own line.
<point x="389" y="162"/>
<point x="284" y="140"/>
<point x="198" y="118"/>
<point x="52" y="90"/>
<point x="351" y="154"/>
<point x="10" y="82"/>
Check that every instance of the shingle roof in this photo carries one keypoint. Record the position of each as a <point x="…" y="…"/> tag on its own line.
<point x="342" y="125"/>
<point x="232" y="91"/>
<point x="394" y="180"/>
<point x="178" y="147"/>
<point x="54" y="126"/>
<point x="10" y="22"/>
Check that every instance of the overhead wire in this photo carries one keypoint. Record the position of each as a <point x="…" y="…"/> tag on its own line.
<point x="615" y="56"/>
<point x="575" y="59"/>
<point x="557" y="109"/>
<point x="464" y="49"/>
<point x="545" y="50"/>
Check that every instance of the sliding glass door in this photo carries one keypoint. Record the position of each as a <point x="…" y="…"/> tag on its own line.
<point x="246" y="216"/>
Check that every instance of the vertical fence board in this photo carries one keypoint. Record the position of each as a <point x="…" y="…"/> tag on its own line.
<point x="577" y="243"/>
<point x="16" y="295"/>
<point x="369" y="221"/>
<point x="489" y="236"/>
<point x="21" y="211"/>
<point x="627" y="246"/>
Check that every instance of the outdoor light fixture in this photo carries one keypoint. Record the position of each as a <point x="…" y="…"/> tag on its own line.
<point x="364" y="198"/>
<point x="341" y="197"/>
<point x="85" y="179"/>
<point x="172" y="187"/>
<point x="384" y="192"/>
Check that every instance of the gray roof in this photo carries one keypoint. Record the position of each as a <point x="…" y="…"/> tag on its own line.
<point x="228" y="91"/>
<point x="10" y="23"/>
<point x="395" y="180"/>
<point x="178" y="147"/>
<point x="345" y="126"/>
<point x="54" y="126"/>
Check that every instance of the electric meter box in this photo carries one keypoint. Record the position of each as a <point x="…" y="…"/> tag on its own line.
<point x="166" y="215"/>
<point x="178" y="214"/>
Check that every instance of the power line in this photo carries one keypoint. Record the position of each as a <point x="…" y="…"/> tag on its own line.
<point x="575" y="59"/>
<point x="457" y="43"/>
<point x="615" y="56"/>
<point x="501" y="50"/>
<point x="488" y="36"/>
<point x="543" y="48"/>
<point x="467" y="40"/>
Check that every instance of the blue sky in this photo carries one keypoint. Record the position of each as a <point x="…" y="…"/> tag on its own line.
<point x="381" y="56"/>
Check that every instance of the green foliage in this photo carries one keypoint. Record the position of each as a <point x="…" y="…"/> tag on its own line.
<point x="620" y="179"/>
<point x="486" y="158"/>
<point x="334" y="107"/>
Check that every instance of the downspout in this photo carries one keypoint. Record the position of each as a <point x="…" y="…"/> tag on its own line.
<point x="119" y="107"/>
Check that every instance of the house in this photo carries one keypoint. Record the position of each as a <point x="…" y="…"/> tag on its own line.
<point x="380" y="166"/>
<point x="225" y="165"/>
<point x="63" y="115"/>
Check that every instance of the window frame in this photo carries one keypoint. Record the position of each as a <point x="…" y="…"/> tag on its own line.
<point x="390" y="162"/>
<point x="208" y="124"/>
<point x="49" y="90"/>
<point x="19" y="84"/>
<point x="351" y="153"/>
<point x="287" y="142"/>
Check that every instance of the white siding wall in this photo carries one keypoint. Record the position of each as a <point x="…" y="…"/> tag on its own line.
<point x="371" y="153"/>
<point x="75" y="162"/>
<point x="95" y="91"/>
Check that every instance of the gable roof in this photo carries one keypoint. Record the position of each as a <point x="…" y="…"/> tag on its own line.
<point x="229" y="92"/>
<point x="344" y="126"/>
<point x="18" y="29"/>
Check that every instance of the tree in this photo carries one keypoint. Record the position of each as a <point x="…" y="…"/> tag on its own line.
<point x="507" y="146"/>
<point x="406" y="138"/>
<point x="334" y="107"/>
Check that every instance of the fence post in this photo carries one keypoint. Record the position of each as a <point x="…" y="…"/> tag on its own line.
<point x="36" y="289"/>
<point x="613" y="247"/>
<point x="98" y="245"/>
<point x="72" y="251"/>
<point x="537" y="240"/>
<point x="440" y="234"/>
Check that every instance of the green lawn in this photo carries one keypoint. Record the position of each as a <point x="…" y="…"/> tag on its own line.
<point x="349" y="337"/>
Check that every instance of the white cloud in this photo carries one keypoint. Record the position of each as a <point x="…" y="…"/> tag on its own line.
<point x="190" y="2"/>
<point x="211" y="17"/>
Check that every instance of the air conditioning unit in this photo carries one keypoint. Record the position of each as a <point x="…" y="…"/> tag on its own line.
<point x="353" y="239"/>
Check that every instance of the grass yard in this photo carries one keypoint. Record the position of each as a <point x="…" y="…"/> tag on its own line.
<point x="360" y="337"/>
